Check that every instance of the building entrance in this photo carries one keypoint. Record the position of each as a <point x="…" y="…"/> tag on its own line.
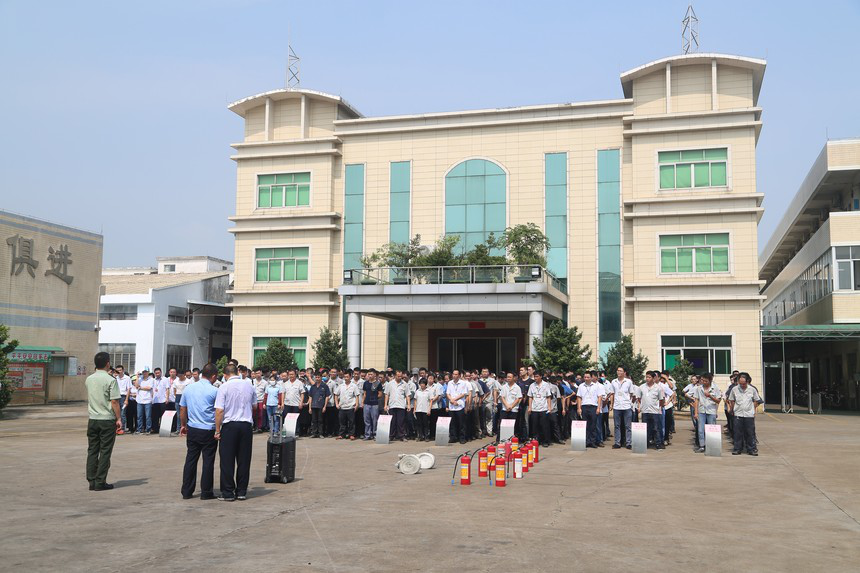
<point x="499" y="351"/>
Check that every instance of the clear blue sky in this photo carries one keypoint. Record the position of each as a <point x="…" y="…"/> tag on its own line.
<point x="113" y="114"/>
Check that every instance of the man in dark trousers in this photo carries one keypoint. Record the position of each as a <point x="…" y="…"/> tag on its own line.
<point x="234" y="428"/>
<point x="104" y="422"/>
<point x="197" y="413"/>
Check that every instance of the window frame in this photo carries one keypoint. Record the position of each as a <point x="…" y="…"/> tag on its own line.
<point x="130" y="364"/>
<point x="659" y="257"/>
<point x="254" y="266"/>
<point x="188" y="319"/>
<point x="179" y="368"/>
<point x="257" y="176"/>
<point x="444" y="218"/>
<point x="254" y="348"/>
<point x="727" y="187"/>
<point x="106" y="315"/>
<point x="711" y="349"/>
<point x="852" y="267"/>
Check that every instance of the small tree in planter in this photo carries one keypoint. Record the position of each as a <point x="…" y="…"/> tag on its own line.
<point x="277" y="357"/>
<point x="561" y="350"/>
<point x="329" y="351"/>
<point x="526" y="244"/>
<point x="220" y="364"/>
<point x="681" y="373"/>
<point x="622" y="355"/>
<point x="7" y="387"/>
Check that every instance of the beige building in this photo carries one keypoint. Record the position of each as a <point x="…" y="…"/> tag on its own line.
<point x="50" y="277"/>
<point x="811" y="271"/>
<point x="649" y="202"/>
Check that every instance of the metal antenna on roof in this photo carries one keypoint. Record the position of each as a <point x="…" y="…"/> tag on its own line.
<point x="690" y="32"/>
<point x="293" y="69"/>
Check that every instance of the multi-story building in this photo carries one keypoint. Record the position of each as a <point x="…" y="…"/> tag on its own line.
<point x="811" y="271"/>
<point x="49" y="292"/>
<point x="176" y="317"/>
<point x="649" y="203"/>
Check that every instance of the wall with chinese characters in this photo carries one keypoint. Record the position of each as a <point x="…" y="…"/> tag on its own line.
<point x="50" y="276"/>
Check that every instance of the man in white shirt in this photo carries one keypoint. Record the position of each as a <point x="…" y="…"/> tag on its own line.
<point x="458" y="394"/>
<point x="124" y="382"/>
<point x="170" y="405"/>
<point x="346" y="398"/>
<point x="397" y="401"/>
<point x="540" y="404"/>
<point x="651" y="402"/>
<point x="294" y="394"/>
<point x="743" y="400"/>
<point x="690" y="391"/>
<point x="234" y="421"/>
<point x="589" y="400"/>
<point x="159" y="398"/>
<point x="510" y="397"/>
<point x="144" y="402"/>
<point x="622" y="405"/>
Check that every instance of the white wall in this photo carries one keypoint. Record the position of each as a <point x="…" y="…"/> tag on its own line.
<point x="152" y="333"/>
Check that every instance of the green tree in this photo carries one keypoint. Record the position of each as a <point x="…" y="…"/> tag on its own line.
<point x="442" y="254"/>
<point x="221" y="363"/>
<point x="329" y="351"/>
<point x="277" y="357"/>
<point x="681" y="373"/>
<point x="7" y="387"/>
<point x="526" y="244"/>
<point x="561" y="350"/>
<point x="621" y="354"/>
<point x="394" y="254"/>
<point x="481" y="254"/>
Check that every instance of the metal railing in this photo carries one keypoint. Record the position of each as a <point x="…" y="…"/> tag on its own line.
<point x="476" y="274"/>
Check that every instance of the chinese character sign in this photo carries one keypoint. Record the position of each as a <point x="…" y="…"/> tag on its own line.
<point x="22" y="255"/>
<point x="60" y="261"/>
<point x="22" y="259"/>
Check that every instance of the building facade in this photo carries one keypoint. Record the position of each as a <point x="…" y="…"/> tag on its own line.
<point x="178" y="319"/>
<point x="649" y="202"/>
<point x="811" y="271"/>
<point x="49" y="290"/>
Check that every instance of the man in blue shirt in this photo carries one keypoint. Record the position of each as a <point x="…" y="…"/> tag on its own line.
<point x="317" y="401"/>
<point x="197" y="413"/>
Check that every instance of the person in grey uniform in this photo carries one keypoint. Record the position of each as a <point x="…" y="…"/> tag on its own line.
<point x="706" y="399"/>
<point x="742" y="400"/>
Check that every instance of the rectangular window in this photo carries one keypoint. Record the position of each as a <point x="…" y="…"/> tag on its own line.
<point x="284" y="190"/>
<point x="609" y="247"/>
<point x="701" y="253"/>
<point x="298" y="344"/>
<point x="848" y="268"/>
<point x="118" y="312"/>
<point x="178" y="314"/>
<point x="707" y="353"/>
<point x="170" y="268"/>
<point x="59" y="365"/>
<point x="693" y="169"/>
<point x="400" y="181"/>
<point x="121" y="355"/>
<point x="282" y="265"/>
<point x="179" y="357"/>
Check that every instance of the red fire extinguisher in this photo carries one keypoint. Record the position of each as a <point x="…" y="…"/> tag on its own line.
<point x="515" y="444"/>
<point x="536" y="446"/>
<point x="531" y="457"/>
<point x="525" y="453"/>
<point x="482" y="464"/>
<point x="501" y="470"/>
<point x="518" y="465"/>
<point x="508" y="450"/>
<point x="465" y="470"/>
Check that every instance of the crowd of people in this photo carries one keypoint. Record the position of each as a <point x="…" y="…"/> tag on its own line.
<point x="346" y="404"/>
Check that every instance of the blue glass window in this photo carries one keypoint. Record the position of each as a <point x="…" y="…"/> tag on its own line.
<point x="475" y="202"/>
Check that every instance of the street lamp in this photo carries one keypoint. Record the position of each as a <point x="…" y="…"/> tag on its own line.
<point x="347" y="277"/>
<point x="536" y="272"/>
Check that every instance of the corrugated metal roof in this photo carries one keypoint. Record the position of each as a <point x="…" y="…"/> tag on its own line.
<point x="141" y="284"/>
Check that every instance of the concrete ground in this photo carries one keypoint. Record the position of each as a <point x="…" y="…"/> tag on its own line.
<point x="794" y="508"/>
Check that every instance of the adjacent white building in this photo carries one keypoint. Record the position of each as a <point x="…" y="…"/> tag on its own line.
<point x="166" y="319"/>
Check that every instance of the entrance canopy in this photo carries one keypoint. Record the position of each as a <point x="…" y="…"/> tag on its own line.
<point x="457" y="293"/>
<point x="810" y="333"/>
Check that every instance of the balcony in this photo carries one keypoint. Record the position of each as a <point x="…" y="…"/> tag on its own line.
<point x="497" y="274"/>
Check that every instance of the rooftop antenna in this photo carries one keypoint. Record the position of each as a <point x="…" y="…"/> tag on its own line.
<point x="690" y="32"/>
<point x="293" y="69"/>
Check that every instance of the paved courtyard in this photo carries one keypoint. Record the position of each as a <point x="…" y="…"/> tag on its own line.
<point x="794" y="508"/>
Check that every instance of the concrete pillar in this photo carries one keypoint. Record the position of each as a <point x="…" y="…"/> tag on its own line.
<point x="353" y="339"/>
<point x="535" y="329"/>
